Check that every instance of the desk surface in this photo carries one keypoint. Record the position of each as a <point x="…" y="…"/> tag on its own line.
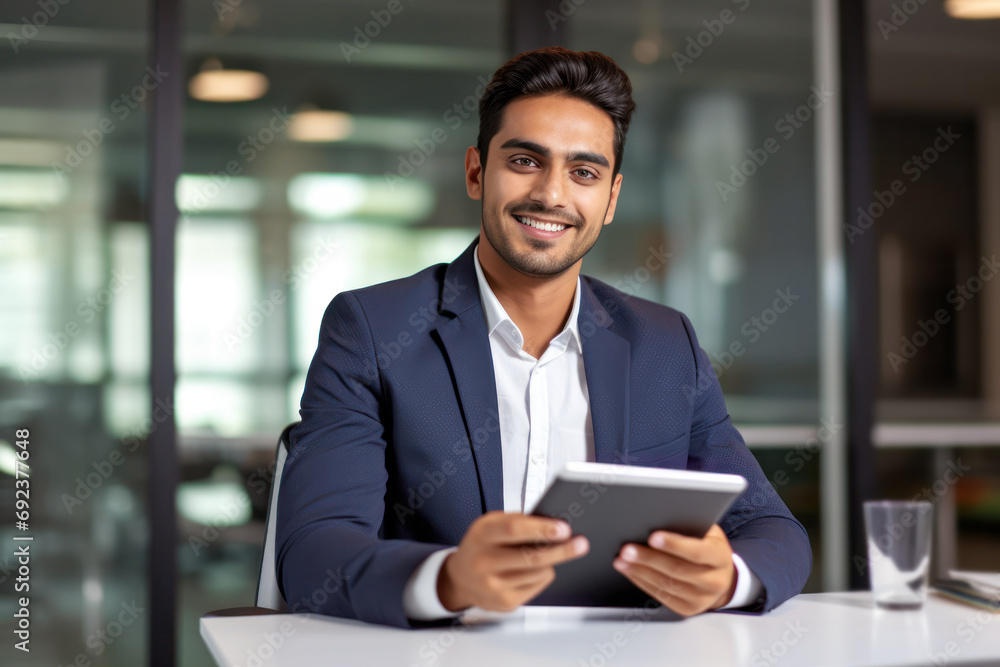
<point x="834" y="629"/>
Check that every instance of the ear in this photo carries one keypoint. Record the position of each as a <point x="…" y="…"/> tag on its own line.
<point x="473" y="173"/>
<point x="613" y="203"/>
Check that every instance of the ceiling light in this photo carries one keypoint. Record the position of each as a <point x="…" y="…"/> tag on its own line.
<point x="214" y="83"/>
<point x="646" y="51"/>
<point x="973" y="9"/>
<point x="319" y="125"/>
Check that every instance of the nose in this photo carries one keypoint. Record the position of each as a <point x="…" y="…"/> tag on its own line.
<point x="549" y="189"/>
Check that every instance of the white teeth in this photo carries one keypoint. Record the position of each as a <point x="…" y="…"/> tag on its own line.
<point x="544" y="226"/>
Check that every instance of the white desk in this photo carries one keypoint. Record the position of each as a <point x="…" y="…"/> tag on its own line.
<point x="834" y="629"/>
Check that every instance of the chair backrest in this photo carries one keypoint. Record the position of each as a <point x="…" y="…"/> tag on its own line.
<point x="268" y="594"/>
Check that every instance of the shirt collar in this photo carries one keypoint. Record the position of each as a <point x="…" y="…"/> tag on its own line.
<point x="498" y="320"/>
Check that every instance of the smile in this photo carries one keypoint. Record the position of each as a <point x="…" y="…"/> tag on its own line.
<point x="544" y="226"/>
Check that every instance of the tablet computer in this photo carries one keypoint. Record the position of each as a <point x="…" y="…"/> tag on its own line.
<point x="615" y="504"/>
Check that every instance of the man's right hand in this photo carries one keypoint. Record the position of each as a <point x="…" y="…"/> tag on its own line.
<point x="505" y="560"/>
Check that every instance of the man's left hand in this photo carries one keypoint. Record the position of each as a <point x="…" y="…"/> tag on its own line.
<point x="686" y="574"/>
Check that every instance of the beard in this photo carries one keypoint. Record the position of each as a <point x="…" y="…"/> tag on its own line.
<point x="536" y="262"/>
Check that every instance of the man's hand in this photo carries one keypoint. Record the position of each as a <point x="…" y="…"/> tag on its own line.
<point x="685" y="574"/>
<point x="505" y="560"/>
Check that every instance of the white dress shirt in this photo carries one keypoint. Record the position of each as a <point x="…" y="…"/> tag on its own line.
<point x="544" y="423"/>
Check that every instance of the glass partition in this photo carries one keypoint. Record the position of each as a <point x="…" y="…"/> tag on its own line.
<point x="73" y="328"/>
<point x="347" y="171"/>
<point x="717" y="213"/>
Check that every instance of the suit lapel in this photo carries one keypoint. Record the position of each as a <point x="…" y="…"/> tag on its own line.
<point x="466" y="345"/>
<point x="606" y="359"/>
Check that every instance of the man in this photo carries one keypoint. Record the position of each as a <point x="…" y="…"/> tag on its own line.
<point x="506" y="364"/>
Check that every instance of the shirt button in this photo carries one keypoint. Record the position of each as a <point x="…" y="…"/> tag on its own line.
<point x="538" y="459"/>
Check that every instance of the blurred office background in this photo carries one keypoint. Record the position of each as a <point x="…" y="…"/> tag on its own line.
<point x="318" y="158"/>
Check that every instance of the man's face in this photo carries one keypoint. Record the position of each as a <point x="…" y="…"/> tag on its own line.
<point x="549" y="166"/>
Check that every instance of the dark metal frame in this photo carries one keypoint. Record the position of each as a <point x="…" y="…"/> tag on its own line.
<point x="166" y="145"/>
<point x="862" y="356"/>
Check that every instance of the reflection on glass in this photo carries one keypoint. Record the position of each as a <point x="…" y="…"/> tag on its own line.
<point x="73" y="331"/>
<point x="347" y="172"/>
<point x="719" y="172"/>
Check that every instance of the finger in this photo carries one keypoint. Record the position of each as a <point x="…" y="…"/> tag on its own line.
<point x="664" y="590"/>
<point x="509" y="528"/>
<point x="526" y="578"/>
<point x="527" y="556"/>
<point x="654" y="579"/>
<point x="713" y="549"/>
<point x="666" y="564"/>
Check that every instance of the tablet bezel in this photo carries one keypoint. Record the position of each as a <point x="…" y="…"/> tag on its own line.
<point x="666" y="478"/>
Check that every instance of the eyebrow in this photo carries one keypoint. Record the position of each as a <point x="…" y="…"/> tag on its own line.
<point x="579" y="156"/>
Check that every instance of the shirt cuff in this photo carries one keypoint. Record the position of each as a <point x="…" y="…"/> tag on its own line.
<point x="748" y="586"/>
<point x="420" y="598"/>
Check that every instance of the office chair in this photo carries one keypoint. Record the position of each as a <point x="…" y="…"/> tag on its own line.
<point x="268" y="595"/>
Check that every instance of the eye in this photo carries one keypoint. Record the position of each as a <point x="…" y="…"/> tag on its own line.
<point x="523" y="161"/>
<point x="584" y="173"/>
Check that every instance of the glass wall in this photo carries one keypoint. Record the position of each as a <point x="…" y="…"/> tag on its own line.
<point x="717" y="215"/>
<point x="340" y="165"/>
<point x="347" y="171"/>
<point x="73" y="335"/>
<point x="720" y="173"/>
<point x="934" y="218"/>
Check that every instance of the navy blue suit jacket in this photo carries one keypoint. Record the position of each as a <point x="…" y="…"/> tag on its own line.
<point x="398" y="450"/>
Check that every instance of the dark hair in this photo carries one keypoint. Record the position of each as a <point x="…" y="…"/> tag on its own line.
<point x="586" y="75"/>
